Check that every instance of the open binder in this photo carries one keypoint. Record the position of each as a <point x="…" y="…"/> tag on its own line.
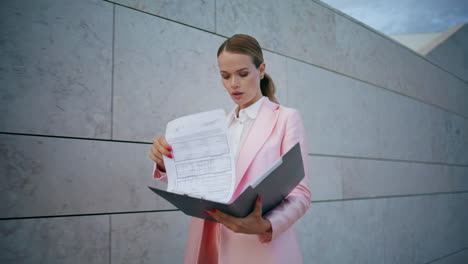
<point x="273" y="187"/>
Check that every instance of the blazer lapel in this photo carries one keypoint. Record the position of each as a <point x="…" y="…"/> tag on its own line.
<point x="258" y="134"/>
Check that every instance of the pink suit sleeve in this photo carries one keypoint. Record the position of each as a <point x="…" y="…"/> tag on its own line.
<point x="159" y="175"/>
<point x="298" y="201"/>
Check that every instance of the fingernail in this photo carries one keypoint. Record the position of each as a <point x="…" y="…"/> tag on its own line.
<point x="259" y="199"/>
<point x="169" y="148"/>
<point x="213" y="210"/>
<point x="205" y="212"/>
<point x="169" y="156"/>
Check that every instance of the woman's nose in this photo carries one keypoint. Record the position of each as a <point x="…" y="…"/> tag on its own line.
<point x="234" y="82"/>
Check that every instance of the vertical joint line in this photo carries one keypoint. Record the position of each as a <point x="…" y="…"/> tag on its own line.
<point x="110" y="239"/>
<point x="215" y="16"/>
<point x="112" y="75"/>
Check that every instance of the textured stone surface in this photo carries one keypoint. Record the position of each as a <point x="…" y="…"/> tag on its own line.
<point x="396" y="230"/>
<point x="55" y="240"/>
<point x="276" y="68"/>
<point x="420" y="229"/>
<point x="149" y="238"/>
<point x="334" y="178"/>
<point x="299" y="28"/>
<point x="50" y="176"/>
<point x="451" y="53"/>
<point x="348" y="117"/>
<point x="55" y="67"/>
<point x="308" y="31"/>
<point x="342" y="232"/>
<point x="411" y="130"/>
<point x="198" y="13"/>
<point x="169" y="72"/>
<point x="326" y="178"/>
<point x="368" y="178"/>
<point x="457" y="258"/>
<point x="332" y="106"/>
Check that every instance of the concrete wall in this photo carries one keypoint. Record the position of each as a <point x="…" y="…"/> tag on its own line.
<point x="85" y="86"/>
<point x="417" y="41"/>
<point x="449" y="51"/>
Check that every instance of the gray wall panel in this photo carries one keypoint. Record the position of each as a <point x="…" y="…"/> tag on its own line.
<point x="49" y="176"/>
<point x="457" y="258"/>
<point x="277" y="69"/>
<point x="332" y="106"/>
<point x="451" y="53"/>
<point x="55" y="61"/>
<point x="55" y="240"/>
<point x="344" y="116"/>
<point x="169" y="72"/>
<point x="396" y="230"/>
<point x="308" y="31"/>
<point x="149" y="238"/>
<point x="326" y="178"/>
<point x="374" y="58"/>
<point x="342" y="232"/>
<point x="364" y="178"/>
<point x="408" y="129"/>
<point x="197" y="13"/>
<point x="334" y="178"/>
<point x="421" y="229"/>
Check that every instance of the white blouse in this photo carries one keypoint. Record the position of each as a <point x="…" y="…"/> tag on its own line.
<point x="239" y="127"/>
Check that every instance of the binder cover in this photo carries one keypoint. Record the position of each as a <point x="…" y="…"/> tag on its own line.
<point x="273" y="188"/>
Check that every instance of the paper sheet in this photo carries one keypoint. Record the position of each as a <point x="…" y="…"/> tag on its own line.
<point x="202" y="164"/>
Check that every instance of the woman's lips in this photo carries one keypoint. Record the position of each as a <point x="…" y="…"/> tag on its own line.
<point x="237" y="95"/>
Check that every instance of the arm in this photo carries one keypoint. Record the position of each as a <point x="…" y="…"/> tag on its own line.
<point x="298" y="201"/>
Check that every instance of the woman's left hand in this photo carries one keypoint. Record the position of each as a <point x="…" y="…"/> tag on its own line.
<point x="254" y="223"/>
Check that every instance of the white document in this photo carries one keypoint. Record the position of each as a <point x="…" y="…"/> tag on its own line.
<point x="202" y="165"/>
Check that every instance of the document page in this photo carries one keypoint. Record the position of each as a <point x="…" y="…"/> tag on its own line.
<point x="202" y="165"/>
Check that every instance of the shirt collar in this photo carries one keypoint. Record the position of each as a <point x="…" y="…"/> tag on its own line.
<point x="251" y="111"/>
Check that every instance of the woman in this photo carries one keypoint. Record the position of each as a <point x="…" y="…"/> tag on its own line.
<point x="261" y="131"/>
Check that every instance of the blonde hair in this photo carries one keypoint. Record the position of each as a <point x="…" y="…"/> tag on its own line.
<point x="248" y="45"/>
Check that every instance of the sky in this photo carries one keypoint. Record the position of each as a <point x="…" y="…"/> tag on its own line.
<point x="405" y="16"/>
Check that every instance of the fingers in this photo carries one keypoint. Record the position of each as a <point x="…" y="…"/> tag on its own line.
<point x="159" y="148"/>
<point x="225" y="219"/>
<point x="258" y="207"/>
<point x="222" y="217"/>
<point x="162" y="146"/>
<point x="163" y="142"/>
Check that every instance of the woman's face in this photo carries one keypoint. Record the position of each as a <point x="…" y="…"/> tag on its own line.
<point x="240" y="77"/>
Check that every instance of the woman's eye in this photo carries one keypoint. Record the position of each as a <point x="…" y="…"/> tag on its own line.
<point x="225" y="77"/>
<point x="244" y="74"/>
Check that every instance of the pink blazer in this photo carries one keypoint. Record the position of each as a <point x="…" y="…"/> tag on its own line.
<point x="275" y="130"/>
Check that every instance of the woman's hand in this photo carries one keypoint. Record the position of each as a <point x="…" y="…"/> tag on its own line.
<point x="159" y="148"/>
<point x="254" y="223"/>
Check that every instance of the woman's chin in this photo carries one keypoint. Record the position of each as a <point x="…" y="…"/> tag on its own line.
<point x="237" y="101"/>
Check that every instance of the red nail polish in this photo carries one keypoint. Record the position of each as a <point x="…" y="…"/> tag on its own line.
<point x="169" y="156"/>
<point x="259" y="199"/>
<point x="213" y="210"/>
<point x="205" y="212"/>
<point x="169" y="148"/>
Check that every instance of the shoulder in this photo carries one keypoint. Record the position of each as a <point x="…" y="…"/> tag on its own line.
<point x="283" y="110"/>
<point x="288" y="114"/>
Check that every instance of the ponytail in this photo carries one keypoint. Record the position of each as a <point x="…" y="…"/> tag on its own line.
<point x="268" y="88"/>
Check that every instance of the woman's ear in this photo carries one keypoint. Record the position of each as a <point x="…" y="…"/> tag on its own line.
<point x="262" y="69"/>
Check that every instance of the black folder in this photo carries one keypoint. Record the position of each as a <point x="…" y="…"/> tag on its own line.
<point x="273" y="187"/>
